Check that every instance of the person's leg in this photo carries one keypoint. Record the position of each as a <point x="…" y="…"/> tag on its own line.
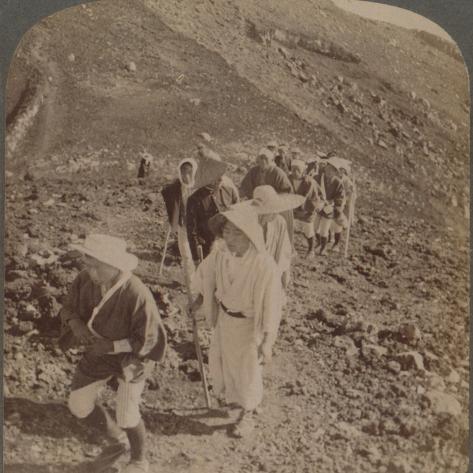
<point x="308" y="230"/>
<point x="129" y="419"/>
<point x="137" y="437"/>
<point x="82" y="403"/>
<point x="337" y="235"/>
<point x="324" y="228"/>
<point x="317" y="229"/>
<point x="185" y="252"/>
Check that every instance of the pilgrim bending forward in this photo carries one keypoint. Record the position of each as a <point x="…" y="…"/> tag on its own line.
<point x="114" y="315"/>
<point x="239" y="287"/>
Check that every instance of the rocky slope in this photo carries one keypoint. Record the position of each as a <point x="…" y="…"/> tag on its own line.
<point x="371" y="368"/>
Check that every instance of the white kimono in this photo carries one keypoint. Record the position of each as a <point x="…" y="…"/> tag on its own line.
<point x="250" y="284"/>
<point x="278" y="244"/>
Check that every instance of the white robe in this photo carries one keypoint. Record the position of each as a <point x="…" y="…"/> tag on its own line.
<point x="278" y="244"/>
<point x="250" y="284"/>
<point x="279" y="247"/>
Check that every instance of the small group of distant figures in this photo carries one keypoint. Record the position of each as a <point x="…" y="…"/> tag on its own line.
<point x="324" y="185"/>
<point x="327" y="184"/>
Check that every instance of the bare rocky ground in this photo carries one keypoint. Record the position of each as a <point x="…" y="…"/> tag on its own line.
<point x="371" y="367"/>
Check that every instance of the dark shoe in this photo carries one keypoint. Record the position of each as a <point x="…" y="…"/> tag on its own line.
<point x="310" y="243"/>
<point x="323" y="246"/>
<point x="336" y="243"/>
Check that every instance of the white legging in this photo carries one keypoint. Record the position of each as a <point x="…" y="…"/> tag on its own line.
<point x="185" y="251"/>
<point x="320" y="225"/>
<point x="324" y="226"/>
<point x="81" y="401"/>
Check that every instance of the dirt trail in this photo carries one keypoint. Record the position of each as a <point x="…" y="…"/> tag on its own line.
<point x="371" y="366"/>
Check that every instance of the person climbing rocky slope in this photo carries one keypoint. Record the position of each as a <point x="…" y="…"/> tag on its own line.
<point x="371" y="368"/>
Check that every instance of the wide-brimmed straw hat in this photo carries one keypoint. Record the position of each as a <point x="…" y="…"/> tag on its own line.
<point x="245" y="219"/>
<point x="267" y="201"/>
<point x="210" y="167"/>
<point x="108" y="249"/>
<point x="340" y="163"/>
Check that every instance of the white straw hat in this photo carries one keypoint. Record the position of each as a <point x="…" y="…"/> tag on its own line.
<point x="340" y="163"/>
<point x="210" y="168"/>
<point x="108" y="249"/>
<point x="267" y="201"/>
<point x="245" y="219"/>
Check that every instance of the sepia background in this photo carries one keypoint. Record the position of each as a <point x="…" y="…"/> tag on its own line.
<point x="371" y="366"/>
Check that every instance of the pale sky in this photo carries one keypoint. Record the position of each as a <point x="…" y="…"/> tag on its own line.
<point x="394" y="15"/>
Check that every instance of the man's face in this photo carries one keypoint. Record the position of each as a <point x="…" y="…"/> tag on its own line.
<point x="265" y="218"/>
<point x="186" y="173"/>
<point x="236" y="241"/>
<point x="218" y="182"/>
<point x="282" y="151"/>
<point x="99" y="272"/>
<point x="263" y="162"/>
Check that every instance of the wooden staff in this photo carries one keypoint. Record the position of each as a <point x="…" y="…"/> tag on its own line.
<point x="195" y="334"/>
<point x="351" y="214"/>
<point x="165" y="250"/>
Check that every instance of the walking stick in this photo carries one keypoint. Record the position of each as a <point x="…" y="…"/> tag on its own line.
<point x="195" y="335"/>
<point x="351" y="214"/>
<point x="165" y="250"/>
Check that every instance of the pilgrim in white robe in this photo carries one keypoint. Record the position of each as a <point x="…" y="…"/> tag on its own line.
<point x="279" y="246"/>
<point x="251" y="285"/>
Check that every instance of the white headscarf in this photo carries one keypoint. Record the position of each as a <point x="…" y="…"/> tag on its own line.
<point x="193" y="163"/>
<point x="187" y="189"/>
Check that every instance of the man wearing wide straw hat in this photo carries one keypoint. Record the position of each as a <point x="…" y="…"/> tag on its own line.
<point x="268" y="204"/>
<point x="267" y="173"/>
<point x="239" y="290"/>
<point x="114" y="316"/>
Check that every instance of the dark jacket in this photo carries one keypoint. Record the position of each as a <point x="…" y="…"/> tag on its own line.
<point x="130" y="313"/>
<point x="201" y="206"/>
<point x="311" y="190"/>
<point x="334" y="190"/>
<point x="273" y="176"/>
<point x="173" y="201"/>
<point x="283" y="162"/>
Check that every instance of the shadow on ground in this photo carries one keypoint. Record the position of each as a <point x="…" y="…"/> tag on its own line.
<point x="173" y="424"/>
<point x="51" y="419"/>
